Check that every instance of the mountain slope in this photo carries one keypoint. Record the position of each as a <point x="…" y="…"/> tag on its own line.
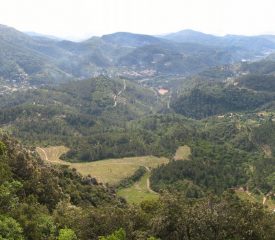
<point x="180" y="58"/>
<point x="23" y="59"/>
<point x="231" y="88"/>
<point x="206" y="101"/>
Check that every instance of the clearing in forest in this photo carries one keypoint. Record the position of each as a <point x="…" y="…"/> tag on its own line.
<point x="183" y="153"/>
<point x="109" y="171"/>
<point x="112" y="171"/>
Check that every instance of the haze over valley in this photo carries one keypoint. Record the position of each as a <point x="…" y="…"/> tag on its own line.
<point x="137" y="136"/>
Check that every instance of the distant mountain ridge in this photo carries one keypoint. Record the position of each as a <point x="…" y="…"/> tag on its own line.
<point x="131" y="39"/>
<point x="40" y="35"/>
<point x="41" y="60"/>
<point x="249" y="42"/>
<point x="189" y="35"/>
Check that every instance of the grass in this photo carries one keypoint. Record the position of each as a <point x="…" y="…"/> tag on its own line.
<point x="112" y="171"/>
<point x="138" y="192"/>
<point x="183" y="153"/>
<point x="109" y="171"/>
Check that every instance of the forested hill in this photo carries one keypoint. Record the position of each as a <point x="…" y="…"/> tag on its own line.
<point x="235" y="88"/>
<point x="205" y="100"/>
<point x="80" y="113"/>
<point x="96" y="97"/>
<point x="24" y="59"/>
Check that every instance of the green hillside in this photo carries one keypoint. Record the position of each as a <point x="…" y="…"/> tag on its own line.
<point x="137" y="137"/>
<point x="80" y="114"/>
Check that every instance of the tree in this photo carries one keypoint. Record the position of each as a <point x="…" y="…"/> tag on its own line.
<point x="10" y="229"/>
<point x="117" y="235"/>
<point x="2" y="149"/>
<point x="8" y="197"/>
<point x="67" y="234"/>
<point x="5" y="172"/>
<point x="35" y="219"/>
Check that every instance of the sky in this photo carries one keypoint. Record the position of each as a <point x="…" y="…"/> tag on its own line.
<point x="80" y="19"/>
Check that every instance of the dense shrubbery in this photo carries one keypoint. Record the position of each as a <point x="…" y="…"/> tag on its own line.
<point x="30" y="190"/>
<point x="41" y="202"/>
<point x="171" y="218"/>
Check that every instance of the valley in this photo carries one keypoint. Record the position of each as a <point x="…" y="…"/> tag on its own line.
<point x="155" y="137"/>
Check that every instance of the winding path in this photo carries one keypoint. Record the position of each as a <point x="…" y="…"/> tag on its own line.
<point x="44" y="152"/>
<point x="119" y="93"/>
<point x="148" y="181"/>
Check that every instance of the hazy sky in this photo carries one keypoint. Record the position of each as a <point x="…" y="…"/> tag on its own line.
<point x="83" y="18"/>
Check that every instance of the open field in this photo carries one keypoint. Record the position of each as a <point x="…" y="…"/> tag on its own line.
<point x="109" y="171"/>
<point x="183" y="153"/>
<point x="112" y="171"/>
<point x="140" y="191"/>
